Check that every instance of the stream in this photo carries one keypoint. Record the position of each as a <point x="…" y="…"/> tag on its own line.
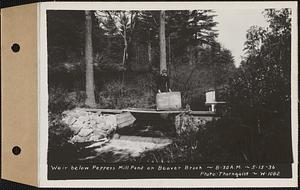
<point x="149" y="132"/>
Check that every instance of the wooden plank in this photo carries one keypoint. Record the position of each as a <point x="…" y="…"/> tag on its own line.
<point x="172" y="112"/>
<point x="153" y="111"/>
<point x="202" y="113"/>
<point x="150" y="111"/>
<point x="215" y="102"/>
<point x="103" y="110"/>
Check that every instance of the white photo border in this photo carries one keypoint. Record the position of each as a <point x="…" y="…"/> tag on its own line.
<point x="219" y="182"/>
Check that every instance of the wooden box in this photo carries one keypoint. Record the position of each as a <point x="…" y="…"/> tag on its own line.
<point x="168" y="101"/>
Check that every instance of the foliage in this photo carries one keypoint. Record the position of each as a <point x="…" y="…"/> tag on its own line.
<point x="58" y="147"/>
<point x="117" y="95"/>
<point x="209" y="68"/>
<point x="118" y="23"/>
<point x="263" y="79"/>
<point x="66" y="43"/>
<point x="59" y="135"/>
<point x="215" y="143"/>
<point x="191" y="28"/>
<point x="261" y="86"/>
<point x="61" y="100"/>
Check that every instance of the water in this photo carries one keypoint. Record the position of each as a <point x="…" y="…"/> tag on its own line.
<point x="149" y="132"/>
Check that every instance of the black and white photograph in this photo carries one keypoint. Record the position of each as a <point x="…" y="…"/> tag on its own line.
<point x="129" y="90"/>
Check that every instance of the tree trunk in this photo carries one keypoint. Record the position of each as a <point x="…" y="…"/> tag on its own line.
<point x="149" y="49"/>
<point x="170" y="61"/>
<point x="149" y="53"/>
<point x="124" y="54"/>
<point x="137" y="54"/>
<point x="108" y="43"/>
<point x="212" y="60"/>
<point x="125" y="48"/>
<point x="169" y="52"/>
<point x="89" y="83"/>
<point x="162" y="42"/>
<point x="190" y="54"/>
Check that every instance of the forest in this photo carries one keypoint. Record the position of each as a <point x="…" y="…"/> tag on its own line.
<point x="112" y="59"/>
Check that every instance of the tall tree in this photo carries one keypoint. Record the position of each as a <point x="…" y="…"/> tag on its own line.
<point x="162" y="41"/>
<point x="90" y="94"/>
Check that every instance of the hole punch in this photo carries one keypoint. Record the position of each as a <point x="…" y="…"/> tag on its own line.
<point x="15" y="47"/>
<point x="16" y="150"/>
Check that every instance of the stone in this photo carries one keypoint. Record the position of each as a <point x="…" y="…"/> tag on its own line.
<point x="106" y="127"/>
<point x="85" y="132"/>
<point x="100" y="125"/>
<point x="81" y="120"/>
<point x="76" y="128"/>
<point x="186" y="124"/>
<point x="90" y="126"/>
<point x="92" y="122"/>
<point x="82" y="113"/>
<point x="70" y="120"/>
<point x="77" y="139"/>
<point x="111" y="120"/>
<point x="116" y="136"/>
<point x="96" y="137"/>
<point x="99" y="132"/>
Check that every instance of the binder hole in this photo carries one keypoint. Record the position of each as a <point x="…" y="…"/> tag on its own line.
<point x="16" y="150"/>
<point x="15" y="47"/>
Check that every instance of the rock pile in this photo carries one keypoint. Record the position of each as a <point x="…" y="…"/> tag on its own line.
<point x="185" y="123"/>
<point x="89" y="126"/>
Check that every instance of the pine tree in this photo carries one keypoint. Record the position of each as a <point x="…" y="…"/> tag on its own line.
<point x="162" y="42"/>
